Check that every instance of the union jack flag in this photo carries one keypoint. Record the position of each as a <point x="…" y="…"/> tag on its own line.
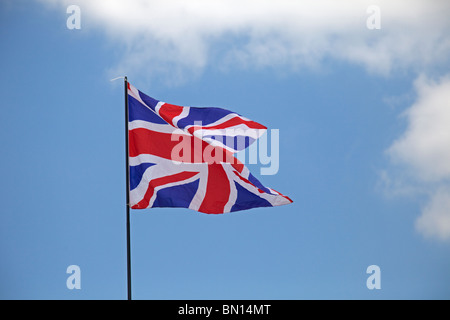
<point x="185" y="157"/>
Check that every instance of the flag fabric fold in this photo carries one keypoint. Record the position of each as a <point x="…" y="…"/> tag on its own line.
<point x="185" y="157"/>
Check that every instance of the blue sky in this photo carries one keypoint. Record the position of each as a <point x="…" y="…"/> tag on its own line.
<point x="364" y="141"/>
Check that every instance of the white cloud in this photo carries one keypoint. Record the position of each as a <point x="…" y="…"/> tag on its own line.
<point x="424" y="152"/>
<point x="182" y="36"/>
<point x="435" y="218"/>
<point x="424" y="146"/>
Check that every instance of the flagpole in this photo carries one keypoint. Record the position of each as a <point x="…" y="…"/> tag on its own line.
<point x="127" y="193"/>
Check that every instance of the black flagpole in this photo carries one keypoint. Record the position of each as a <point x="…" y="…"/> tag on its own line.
<point x="128" y="193"/>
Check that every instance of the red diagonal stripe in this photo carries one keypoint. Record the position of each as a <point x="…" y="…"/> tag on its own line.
<point x="247" y="181"/>
<point x="169" y="111"/>
<point x="159" y="182"/>
<point x="230" y="123"/>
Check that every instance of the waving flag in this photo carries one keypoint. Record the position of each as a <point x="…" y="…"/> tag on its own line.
<point x="185" y="157"/>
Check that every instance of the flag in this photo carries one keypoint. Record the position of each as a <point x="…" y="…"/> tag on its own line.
<point x="185" y="157"/>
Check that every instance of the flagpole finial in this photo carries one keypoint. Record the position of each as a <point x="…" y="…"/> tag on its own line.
<point x="123" y="77"/>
